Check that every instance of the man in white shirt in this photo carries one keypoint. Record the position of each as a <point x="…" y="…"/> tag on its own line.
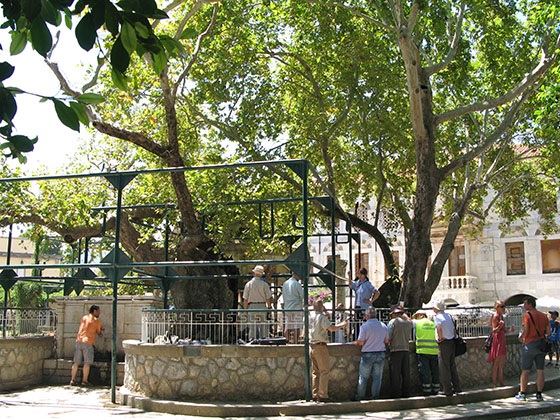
<point x="292" y="293"/>
<point x="445" y="337"/>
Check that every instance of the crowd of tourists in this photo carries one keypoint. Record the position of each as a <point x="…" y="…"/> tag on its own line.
<point x="435" y="337"/>
<point x="436" y="349"/>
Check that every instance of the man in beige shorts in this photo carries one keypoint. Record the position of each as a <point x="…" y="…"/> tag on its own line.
<point x="90" y="326"/>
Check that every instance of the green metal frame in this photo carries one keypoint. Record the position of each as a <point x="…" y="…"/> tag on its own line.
<point x="116" y="264"/>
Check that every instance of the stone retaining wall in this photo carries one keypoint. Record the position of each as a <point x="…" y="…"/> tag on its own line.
<point x="270" y="373"/>
<point x="21" y="361"/>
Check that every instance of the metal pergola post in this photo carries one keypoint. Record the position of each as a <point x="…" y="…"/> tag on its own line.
<point x="306" y="282"/>
<point x="117" y="265"/>
<point x="8" y="255"/>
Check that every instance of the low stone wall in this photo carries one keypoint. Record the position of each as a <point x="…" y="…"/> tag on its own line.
<point x="21" y="361"/>
<point x="270" y="373"/>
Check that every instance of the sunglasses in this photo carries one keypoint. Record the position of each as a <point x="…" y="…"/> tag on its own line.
<point x="501" y="306"/>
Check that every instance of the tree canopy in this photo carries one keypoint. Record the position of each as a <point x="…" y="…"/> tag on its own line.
<point x="430" y="109"/>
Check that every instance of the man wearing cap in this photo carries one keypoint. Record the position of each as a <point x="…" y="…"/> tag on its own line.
<point x="374" y="336"/>
<point x="292" y="292"/>
<point x="400" y="329"/>
<point x="366" y="294"/>
<point x="257" y="295"/>
<point x="319" y="327"/>
<point x="445" y="337"/>
<point x="426" y="352"/>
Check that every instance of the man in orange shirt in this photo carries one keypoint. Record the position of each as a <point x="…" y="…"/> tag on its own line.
<point x="535" y="328"/>
<point x="89" y="327"/>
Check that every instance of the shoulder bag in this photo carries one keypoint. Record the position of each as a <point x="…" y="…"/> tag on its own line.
<point x="545" y="345"/>
<point x="460" y="343"/>
<point x="488" y="343"/>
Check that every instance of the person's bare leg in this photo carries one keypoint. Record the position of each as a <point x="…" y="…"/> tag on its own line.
<point x="524" y="379"/>
<point x="74" y="373"/>
<point x="540" y="380"/>
<point x="500" y="373"/>
<point x="85" y="373"/>
<point x="495" y="372"/>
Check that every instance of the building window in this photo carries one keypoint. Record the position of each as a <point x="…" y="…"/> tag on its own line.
<point x="550" y="250"/>
<point x="396" y="258"/>
<point x="456" y="261"/>
<point x="361" y="261"/>
<point x="515" y="258"/>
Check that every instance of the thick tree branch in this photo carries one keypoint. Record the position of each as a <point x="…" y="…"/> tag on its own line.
<point x="132" y="137"/>
<point x="540" y="69"/>
<point x="453" y="47"/>
<point x="490" y="140"/>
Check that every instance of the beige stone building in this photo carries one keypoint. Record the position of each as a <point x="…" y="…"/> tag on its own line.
<point x="22" y="254"/>
<point x="493" y="265"/>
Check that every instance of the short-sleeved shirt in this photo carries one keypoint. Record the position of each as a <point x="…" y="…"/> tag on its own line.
<point x="373" y="333"/>
<point x="364" y="291"/>
<point x="447" y="326"/>
<point x="257" y="291"/>
<point x="540" y="320"/>
<point x="318" y="328"/>
<point x="292" y="293"/>
<point x="89" y="327"/>
<point x="554" y="331"/>
<point x="400" y="333"/>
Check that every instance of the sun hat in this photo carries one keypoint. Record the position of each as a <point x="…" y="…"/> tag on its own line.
<point x="259" y="269"/>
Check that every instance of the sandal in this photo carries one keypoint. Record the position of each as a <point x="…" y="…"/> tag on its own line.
<point x="73" y="383"/>
<point x="86" y="383"/>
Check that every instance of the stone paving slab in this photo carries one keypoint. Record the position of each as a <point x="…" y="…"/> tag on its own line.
<point x="65" y="403"/>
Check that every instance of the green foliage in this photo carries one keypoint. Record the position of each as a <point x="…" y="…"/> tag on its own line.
<point x="30" y="21"/>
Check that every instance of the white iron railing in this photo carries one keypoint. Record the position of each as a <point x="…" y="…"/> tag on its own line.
<point x="15" y="322"/>
<point x="233" y="326"/>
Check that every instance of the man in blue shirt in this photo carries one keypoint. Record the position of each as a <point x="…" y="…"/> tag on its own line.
<point x="366" y="294"/>
<point x="373" y="337"/>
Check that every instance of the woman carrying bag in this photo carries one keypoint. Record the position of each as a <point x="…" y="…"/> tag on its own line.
<point x="497" y="354"/>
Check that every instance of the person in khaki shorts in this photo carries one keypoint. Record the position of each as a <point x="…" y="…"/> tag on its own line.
<point x="319" y="327"/>
<point x="89" y="328"/>
<point x="257" y="295"/>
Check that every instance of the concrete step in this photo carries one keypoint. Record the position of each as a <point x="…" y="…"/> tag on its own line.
<point x="59" y="371"/>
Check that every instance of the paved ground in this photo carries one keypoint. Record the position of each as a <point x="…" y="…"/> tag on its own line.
<point x="65" y="402"/>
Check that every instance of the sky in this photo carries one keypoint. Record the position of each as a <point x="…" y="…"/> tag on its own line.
<point x="56" y="141"/>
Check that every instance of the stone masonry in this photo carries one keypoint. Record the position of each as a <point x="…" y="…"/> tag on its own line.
<point x="21" y="361"/>
<point x="266" y="373"/>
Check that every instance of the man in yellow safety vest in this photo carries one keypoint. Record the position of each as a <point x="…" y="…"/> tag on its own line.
<point x="426" y="352"/>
